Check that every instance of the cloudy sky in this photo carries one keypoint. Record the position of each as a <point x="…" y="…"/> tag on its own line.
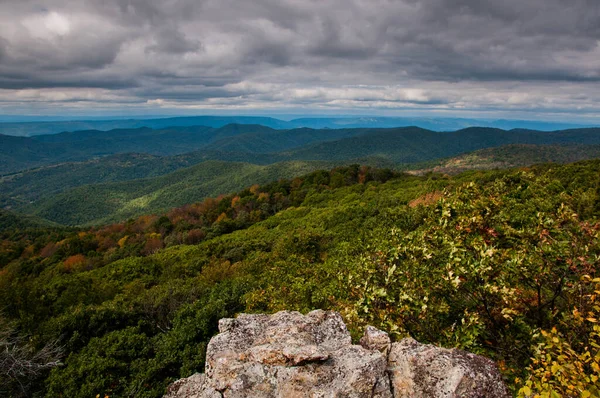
<point x="511" y="58"/>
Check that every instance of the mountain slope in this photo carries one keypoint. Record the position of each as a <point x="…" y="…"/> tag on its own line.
<point x="137" y="302"/>
<point x="508" y="156"/>
<point x="14" y="221"/>
<point x="280" y="140"/>
<point x="398" y="145"/>
<point x="30" y="185"/>
<point x="413" y="145"/>
<point x="402" y="148"/>
<point x="18" y="153"/>
<point x="101" y="203"/>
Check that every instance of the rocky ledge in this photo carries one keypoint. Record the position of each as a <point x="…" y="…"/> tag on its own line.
<point x="293" y="355"/>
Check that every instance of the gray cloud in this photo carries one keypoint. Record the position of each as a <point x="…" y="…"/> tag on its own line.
<point x="444" y="55"/>
<point x="172" y="41"/>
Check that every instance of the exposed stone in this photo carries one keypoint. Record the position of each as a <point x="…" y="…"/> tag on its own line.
<point x="422" y="370"/>
<point x="293" y="355"/>
<point x="191" y="387"/>
<point x="375" y="339"/>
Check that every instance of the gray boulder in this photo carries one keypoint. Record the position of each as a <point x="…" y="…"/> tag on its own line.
<point x="293" y="355"/>
<point x="426" y="371"/>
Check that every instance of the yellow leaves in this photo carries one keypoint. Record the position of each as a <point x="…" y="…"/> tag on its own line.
<point x="254" y="189"/>
<point x="525" y="391"/>
<point x="154" y="235"/>
<point x="454" y="279"/>
<point x="122" y="241"/>
<point x="222" y="217"/>
<point x="489" y="252"/>
<point x="509" y="313"/>
<point x="390" y="273"/>
<point x="263" y="196"/>
<point x="560" y="369"/>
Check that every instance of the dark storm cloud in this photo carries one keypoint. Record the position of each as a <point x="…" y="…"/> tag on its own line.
<point x="25" y="81"/>
<point x="456" y="54"/>
<point x="172" y="41"/>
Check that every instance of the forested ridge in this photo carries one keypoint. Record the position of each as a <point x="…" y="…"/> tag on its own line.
<point x="501" y="263"/>
<point x="94" y="183"/>
<point x="33" y="128"/>
<point x="401" y="145"/>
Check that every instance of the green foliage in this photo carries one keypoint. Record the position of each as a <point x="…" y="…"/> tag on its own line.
<point x="494" y="263"/>
<point x="112" y="359"/>
<point x="566" y="363"/>
<point x="411" y="145"/>
<point x="103" y="203"/>
<point x="515" y="155"/>
<point x="139" y="361"/>
<point x="501" y="263"/>
<point x="10" y="222"/>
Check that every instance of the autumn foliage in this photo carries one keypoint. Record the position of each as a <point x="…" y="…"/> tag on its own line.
<point x="500" y="263"/>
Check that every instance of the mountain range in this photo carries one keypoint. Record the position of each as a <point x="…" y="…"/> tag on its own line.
<point x="93" y="177"/>
<point x="29" y="126"/>
<point x="257" y="143"/>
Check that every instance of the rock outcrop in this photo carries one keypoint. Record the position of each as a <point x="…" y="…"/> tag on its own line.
<point x="293" y="355"/>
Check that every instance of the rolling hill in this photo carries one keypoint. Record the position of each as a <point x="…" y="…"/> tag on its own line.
<point x="508" y="156"/>
<point x="10" y="221"/>
<point x="27" y="129"/>
<point x="117" y="186"/>
<point x="280" y="140"/>
<point x="109" y="202"/>
<point x="108" y="190"/>
<point x="398" y="145"/>
<point x="18" y="153"/>
<point x="414" y="145"/>
<point x="28" y="186"/>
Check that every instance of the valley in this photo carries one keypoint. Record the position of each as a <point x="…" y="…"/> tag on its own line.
<point x="113" y="187"/>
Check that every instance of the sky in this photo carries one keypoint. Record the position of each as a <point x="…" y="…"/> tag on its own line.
<point x="533" y="59"/>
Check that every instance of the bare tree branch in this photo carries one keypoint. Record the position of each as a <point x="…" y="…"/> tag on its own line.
<point x="20" y="364"/>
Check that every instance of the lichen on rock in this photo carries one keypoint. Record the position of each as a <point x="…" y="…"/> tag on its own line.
<point x="288" y="354"/>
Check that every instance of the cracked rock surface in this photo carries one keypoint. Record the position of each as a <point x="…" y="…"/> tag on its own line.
<point x="293" y="355"/>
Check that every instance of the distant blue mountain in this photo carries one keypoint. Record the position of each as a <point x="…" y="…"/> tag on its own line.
<point x="31" y="128"/>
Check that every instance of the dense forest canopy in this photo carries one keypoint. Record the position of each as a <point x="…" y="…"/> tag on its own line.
<point x="502" y="263"/>
<point x="87" y="178"/>
<point x="247" y="142"/>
